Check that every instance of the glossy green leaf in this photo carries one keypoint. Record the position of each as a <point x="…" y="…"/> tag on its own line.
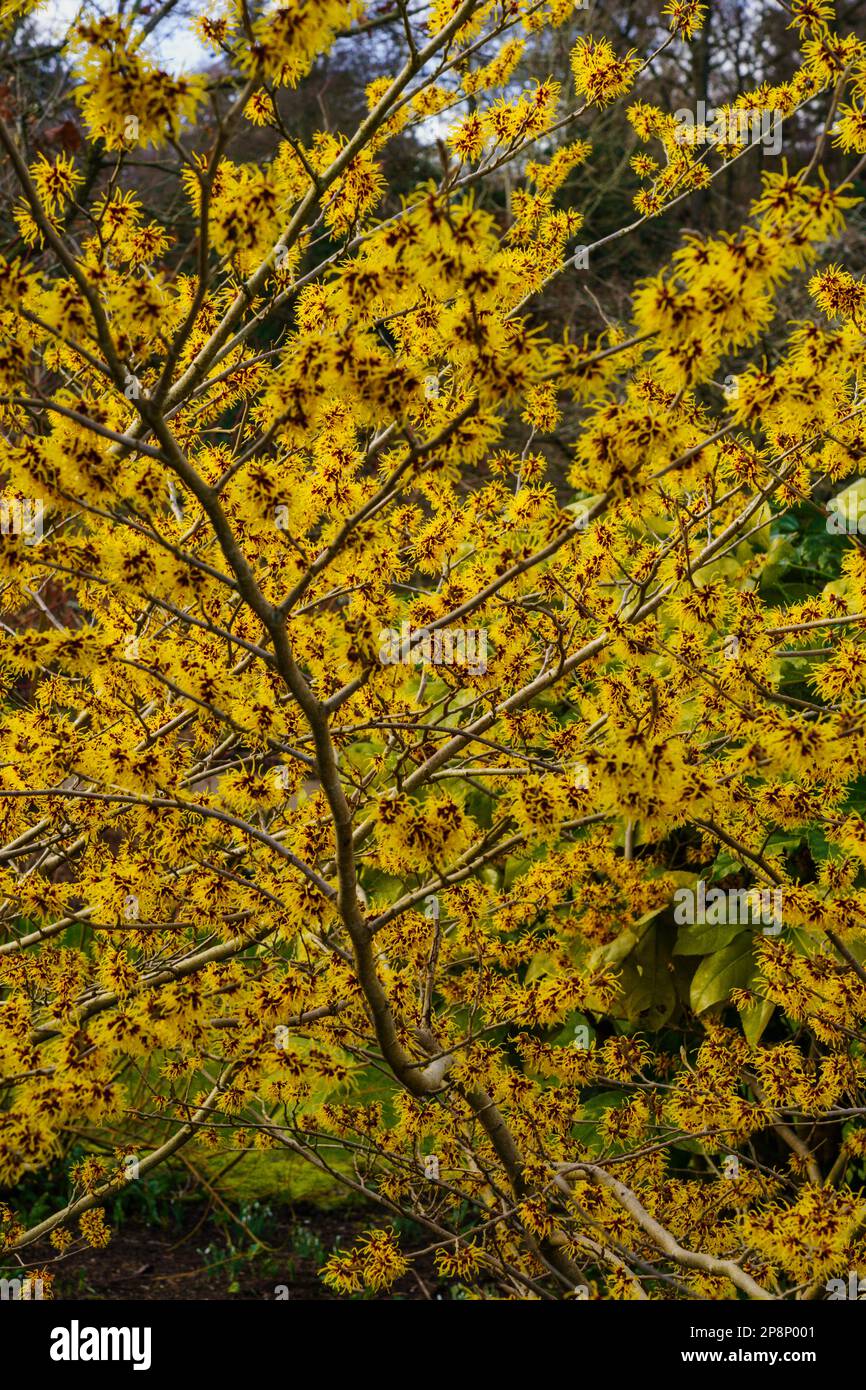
<point x="703" y="938"/>
<point x="730" y="968"/>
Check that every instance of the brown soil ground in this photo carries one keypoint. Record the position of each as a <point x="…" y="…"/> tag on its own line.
<point x="196" y="1261"/>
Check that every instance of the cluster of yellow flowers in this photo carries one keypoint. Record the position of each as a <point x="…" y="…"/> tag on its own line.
<point x="253" y="866"/>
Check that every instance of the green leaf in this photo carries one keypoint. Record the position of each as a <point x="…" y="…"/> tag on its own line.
<point x="730" y="968"/>
<point x="847" y="506"/>
<point x="586" y="1130"/>
<point x="819" y="845"/>
<point x="633" y="995"/>
<point x="779" y="556"/>
<point x="725" y="863"/>
<point x="702" y="938"/>
<point x="566" y="1035"/>
<point x="541" y="964"/>
<point x="653" y="961"/>
<point x="729" y="569"/>
<point x="647" y="989"/>
<point x="755" y="1019"/>
<point x="615" y="952"/>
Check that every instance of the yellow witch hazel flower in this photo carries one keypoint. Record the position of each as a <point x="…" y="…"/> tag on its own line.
<point x="288" y="37"/>
<point x="434" y="660"/>
<point x="686" y="17"/>
<point x="599" y="75"/>
<point x="125" y="98"/>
